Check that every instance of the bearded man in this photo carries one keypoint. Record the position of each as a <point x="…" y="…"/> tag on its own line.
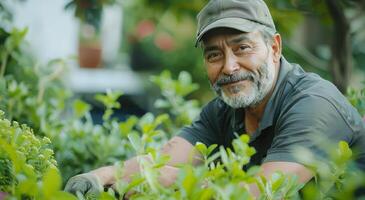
<point x="278" y="104"/>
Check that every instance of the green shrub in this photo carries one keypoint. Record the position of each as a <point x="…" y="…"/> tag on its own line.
<point x="34" y="95"/>
<point x="173" y="100"/>
<point x="28" y="169"/>
<point x="335" y="178"/>
<point x="225" y="179"/>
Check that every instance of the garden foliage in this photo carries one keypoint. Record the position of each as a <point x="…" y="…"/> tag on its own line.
<point x="28" y="169"/>
<point x="33" y="95"/>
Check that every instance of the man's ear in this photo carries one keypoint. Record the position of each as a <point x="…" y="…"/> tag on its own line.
<point x="276" y="47"/>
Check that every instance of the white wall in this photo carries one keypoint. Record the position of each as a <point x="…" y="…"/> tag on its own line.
<point x="53" y="31"/>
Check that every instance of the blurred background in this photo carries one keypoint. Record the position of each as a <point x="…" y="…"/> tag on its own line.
<point x="117" y="44"/>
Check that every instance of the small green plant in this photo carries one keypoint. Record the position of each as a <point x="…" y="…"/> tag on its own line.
<point x="224" y="179"/>
<point x="28" y="168"/>
<point x="335" y="176"/>
<point x="89" y="10"/>
<point x="357" y="99"/>
<point x="174" y="93"/>
<point x="34" y="95"/>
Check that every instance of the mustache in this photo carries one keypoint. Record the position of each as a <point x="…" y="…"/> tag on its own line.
<point x="238" y="76"/>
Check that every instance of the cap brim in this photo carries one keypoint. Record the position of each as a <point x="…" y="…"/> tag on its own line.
<point x="240" y="24"/>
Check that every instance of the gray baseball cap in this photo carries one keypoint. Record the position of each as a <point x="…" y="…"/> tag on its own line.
<point x="242" y="15"/>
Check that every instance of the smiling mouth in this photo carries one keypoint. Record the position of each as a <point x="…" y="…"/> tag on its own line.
<point x="234" y="82"/>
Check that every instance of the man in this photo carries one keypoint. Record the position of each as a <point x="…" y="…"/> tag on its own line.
<point x="259" y="93"/>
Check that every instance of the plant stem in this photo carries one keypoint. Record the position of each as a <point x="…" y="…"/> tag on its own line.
<point x="43" y="82"/>
<point x="3" y="64"/>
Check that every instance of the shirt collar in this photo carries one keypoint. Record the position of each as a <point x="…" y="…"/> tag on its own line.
<point x="268" y="116"/>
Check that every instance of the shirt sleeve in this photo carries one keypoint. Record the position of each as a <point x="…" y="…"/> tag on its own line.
<point x="205" y="128"/>
<point x="307" y="122"/>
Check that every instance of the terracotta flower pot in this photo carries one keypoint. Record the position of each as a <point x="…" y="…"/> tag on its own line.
<point x="90" y="49"/>
<point x="90" y="55"/>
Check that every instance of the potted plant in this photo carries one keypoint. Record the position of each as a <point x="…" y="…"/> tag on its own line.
<point x="89" y="13"/>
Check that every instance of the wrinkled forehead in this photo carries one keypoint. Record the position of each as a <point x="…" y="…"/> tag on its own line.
<point x="228" y="34"/>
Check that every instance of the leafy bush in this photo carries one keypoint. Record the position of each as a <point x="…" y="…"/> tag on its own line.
<point x="28" y="169"/>
<point x="34" y="95"/>
<point x="226" y="179"/>
<point x="218" y="180"/>
<point x="173" y="101"/>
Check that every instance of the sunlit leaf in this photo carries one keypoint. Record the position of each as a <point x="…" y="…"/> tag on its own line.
<point x="80" y="108"/>
<point x="135" y="141"/>
<point x="51" y="182"/>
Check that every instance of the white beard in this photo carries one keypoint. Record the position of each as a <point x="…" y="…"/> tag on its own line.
<point x="260" y="87"/>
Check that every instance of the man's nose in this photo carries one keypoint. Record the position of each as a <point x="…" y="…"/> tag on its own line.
<point x="230" y="64"/>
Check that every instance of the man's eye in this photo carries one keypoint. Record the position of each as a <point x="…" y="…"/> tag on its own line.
<point x="212" y="56"/>
<point x="244" y="48"/>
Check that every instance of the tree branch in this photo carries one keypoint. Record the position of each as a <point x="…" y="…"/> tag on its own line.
<point x="341" y="61"/>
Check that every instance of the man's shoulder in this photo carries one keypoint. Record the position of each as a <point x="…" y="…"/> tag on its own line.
<point x="311" y="92"/>
<point x="294" y="82"/>
<point x="301" y="83"/>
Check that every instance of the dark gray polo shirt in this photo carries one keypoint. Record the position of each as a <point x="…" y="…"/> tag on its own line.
<point x="302" y="107"/>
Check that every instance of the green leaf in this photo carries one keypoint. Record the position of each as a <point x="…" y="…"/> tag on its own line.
<point x="160" y="103"/>
<point x="206" y="194"/>
<point x="150" y="175"/>
<point x="213" y="157"/>
<point x="80" y="108"/>
<point x="15" y="39"/>
<point x="51" y="182"/>
<point x="201" y="148"/>
<point x="28" y="186"/>
<point x="110" y="99"/>
<point x="106" y="196"/>
<point x="224" y="156"/>
<point x="127" y="126"/>
<point x="344" y="150"/>
<point x="135" y="141"/>
<point x="102" y="99"/>
<point x="134" y="183"/>
<point x="161" y="118"/>
<point x="146" y="119"/>
<point x="245" y="138"/>
<point x="184" y="78"/>
<point x="253" y="171"/>
<point x="294" y="186"/>
<point x="261" y="182"/>
<point x="277" y="180"/>
<point x="189" y="180"/>
<point x="211" y="148"/>
<point x="147" y="123"/>
<point x="60" y="195"/>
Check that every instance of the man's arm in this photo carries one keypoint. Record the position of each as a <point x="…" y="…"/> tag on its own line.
<point x="182" y="152"/>
<point x="303" y="173"/>
<point x="178" y="149"/>
<point x="288" y="168"/>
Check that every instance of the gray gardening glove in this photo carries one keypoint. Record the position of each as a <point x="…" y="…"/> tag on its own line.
<point x="86" y="184"/>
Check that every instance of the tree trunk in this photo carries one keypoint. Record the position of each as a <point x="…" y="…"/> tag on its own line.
<point x="341" y="60"/>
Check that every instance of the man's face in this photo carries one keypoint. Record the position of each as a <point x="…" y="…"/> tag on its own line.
<point x="240" y="66"/>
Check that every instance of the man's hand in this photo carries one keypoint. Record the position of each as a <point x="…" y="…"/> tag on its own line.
<point x="179" y="150"/>
<point x="86" y="184"/>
